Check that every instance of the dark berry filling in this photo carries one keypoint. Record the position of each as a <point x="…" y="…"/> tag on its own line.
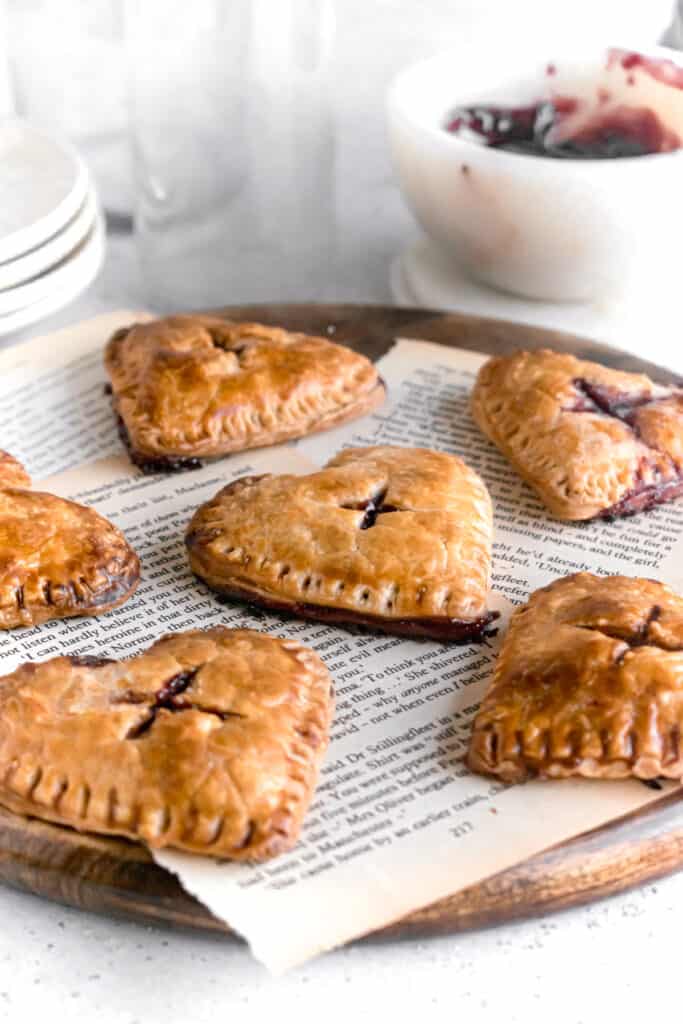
<point x="621" y="132"/>
<point x="664" y="71"/>
<point x="169" y="698"/>
<point x="611" y="129"/>
<point x="447" y="630"/>
<point x="631" y="638"/>
<point x="373" y="508"/>
<point x="611" y="401"/>
<point x="644" y="496"/>
<point x="623" y="406"/>
<point x="150" y="464"/>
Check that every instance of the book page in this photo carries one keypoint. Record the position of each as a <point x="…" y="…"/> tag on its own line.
<point x="397" y="821"/>
<point x="53" y="413"/>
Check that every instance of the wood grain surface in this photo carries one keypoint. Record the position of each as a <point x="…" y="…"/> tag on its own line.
<point x="115" y="876"/>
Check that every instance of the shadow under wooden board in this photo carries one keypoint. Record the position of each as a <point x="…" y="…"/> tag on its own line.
<point x="115" y="876"/>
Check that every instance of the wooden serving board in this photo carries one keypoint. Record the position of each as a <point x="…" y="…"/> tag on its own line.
<point x="119" y="877"/>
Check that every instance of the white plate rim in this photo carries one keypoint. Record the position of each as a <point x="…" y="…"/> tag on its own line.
<point x="33" y="264"/>
<point x="92" y="258"/>
<point x="32" y="235"/>
<point x="60" y="276"/>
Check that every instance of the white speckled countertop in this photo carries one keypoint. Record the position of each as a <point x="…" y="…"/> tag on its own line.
<point x="614" y="960"/>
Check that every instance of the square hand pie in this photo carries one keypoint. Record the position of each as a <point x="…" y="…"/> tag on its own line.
<point x="590" y="441"/>
<point x="207" y="741"/>
<point x="589" y="681"/>
<point x="398" y="539"/>
<point x="57" y="559"/>
<point x="190" y="387"/>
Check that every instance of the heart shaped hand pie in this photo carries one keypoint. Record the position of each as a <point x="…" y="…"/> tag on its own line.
<point x="398" y="539"/>
<point x="208" y="742"/>
<point x="589" y="681"/>
<point x="591" y="441"/>
<point x="191" y="387"/>
<point x="57" y="558"/>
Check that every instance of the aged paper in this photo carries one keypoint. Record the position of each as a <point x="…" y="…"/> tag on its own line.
<point x="52" y="411"/>
<point x="397" y="821"/>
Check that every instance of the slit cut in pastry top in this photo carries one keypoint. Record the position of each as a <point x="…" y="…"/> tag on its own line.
<point x="589" y="681"/>
<point x="397" y="532"/>
<point x="592" y="441"/>
<point x="209" y="741"/>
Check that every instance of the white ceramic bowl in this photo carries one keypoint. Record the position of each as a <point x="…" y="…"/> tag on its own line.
<point x="558" y="229"/>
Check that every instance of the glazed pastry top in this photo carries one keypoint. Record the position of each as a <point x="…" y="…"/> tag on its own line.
<point x="208" y="742"/>
<point x="391" y="532"/>
<point x="589" y="681"/>
<point x="590" y="440"/>
<point x="200" y="386"/>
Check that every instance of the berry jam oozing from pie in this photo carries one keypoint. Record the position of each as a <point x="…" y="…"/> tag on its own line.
<point x="659" y="477"/>
<point x="608" y="125"/>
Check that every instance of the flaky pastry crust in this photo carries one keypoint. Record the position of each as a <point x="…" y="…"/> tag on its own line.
<point x="589" y="681"/>
<point x="12" y="473"/>
<point x="591" y="441"/>
<point x="190" y="387"/>
<point x="208" y="742"/>
<point x="57" y="559"/>
<point x="398" y="539"/>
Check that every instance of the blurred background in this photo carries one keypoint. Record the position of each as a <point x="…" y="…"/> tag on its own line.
<point x="238" y="147"/>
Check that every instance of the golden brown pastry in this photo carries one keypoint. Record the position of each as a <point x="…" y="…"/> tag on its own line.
<point x="57" y="559"/>
<point x="589" y="681"/>
<point x="12" y="473"/>
<point x="398" y="539"/>
<point x="591" y="441"/>
<point x="191" y="387"/>
<point x="208" y="742"/>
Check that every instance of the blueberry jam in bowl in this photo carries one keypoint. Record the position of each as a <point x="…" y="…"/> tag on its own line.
<point x="556" y="178"/>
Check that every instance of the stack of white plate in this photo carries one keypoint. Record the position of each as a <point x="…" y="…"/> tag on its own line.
<point x="51" y="229"/>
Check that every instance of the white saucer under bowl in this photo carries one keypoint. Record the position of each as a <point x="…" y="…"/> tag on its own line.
<point x="549" y="230"/>
<point x="43" y="183"/>
<point x="640" y="322"/>
<point x="62" y="285"/>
